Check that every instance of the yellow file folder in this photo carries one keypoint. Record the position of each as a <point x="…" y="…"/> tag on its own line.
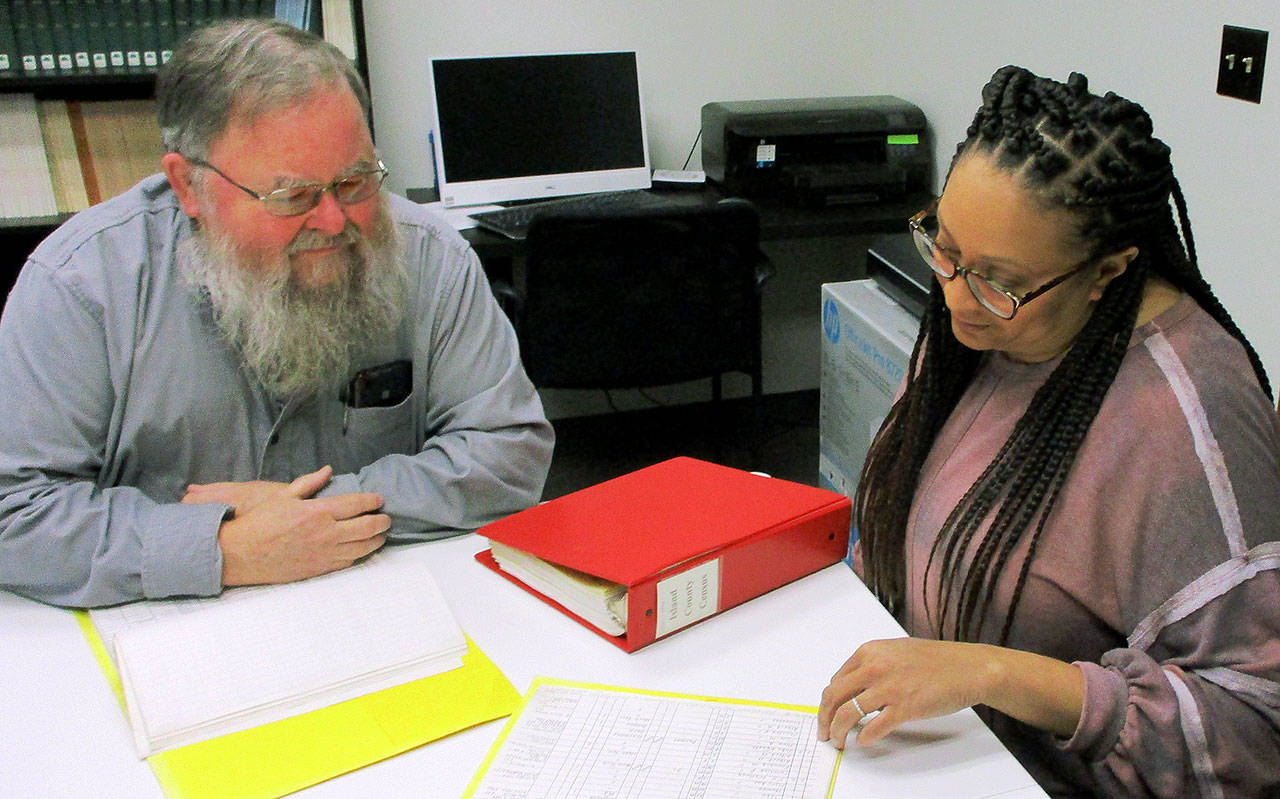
<point x="288" y="755"/>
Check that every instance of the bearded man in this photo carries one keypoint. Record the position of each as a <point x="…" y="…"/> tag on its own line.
<point x="258" y="366"/>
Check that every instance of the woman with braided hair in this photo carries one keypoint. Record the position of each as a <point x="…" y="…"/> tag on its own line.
<point x="1073" y="507"/>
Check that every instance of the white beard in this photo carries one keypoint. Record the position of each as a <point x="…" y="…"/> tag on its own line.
<point x="298" y="340"/>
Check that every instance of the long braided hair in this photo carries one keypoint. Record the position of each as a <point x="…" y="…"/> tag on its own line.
<point x="1096" y="157"/>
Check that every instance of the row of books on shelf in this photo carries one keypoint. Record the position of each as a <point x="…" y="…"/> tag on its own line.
<point x="62" y="156"/>
<point x="72" y="38"/>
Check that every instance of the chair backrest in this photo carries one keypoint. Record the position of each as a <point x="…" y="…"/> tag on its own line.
<point x="642" y="298"/>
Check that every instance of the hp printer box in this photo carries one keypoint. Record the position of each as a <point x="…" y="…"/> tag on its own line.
<point x="866" y="345"/>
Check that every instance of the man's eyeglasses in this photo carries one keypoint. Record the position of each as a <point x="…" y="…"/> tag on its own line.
<point x="990" y="295"/>
<point x="296" y="200"/>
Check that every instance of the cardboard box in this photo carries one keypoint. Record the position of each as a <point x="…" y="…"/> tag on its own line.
<point x="866" y="345"/>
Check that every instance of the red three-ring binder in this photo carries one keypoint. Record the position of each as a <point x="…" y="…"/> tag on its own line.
<point x="664" y="520"/>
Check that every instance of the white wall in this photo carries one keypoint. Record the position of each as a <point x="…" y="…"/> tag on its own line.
<point x="934" y="53"/>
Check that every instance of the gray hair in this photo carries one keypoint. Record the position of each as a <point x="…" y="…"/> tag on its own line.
<point x="243" y="68"/>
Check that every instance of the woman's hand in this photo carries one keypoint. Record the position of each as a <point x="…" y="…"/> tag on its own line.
<point x="893" y="681"/>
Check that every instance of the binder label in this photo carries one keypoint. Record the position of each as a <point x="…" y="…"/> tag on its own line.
<point x="691" y="595"/>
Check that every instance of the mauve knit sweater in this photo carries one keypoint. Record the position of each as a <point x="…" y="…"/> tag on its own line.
<point x="1158" y="571"/>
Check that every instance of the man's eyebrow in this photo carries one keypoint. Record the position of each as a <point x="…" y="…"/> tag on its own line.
<point x="291" y="183"/>
<point x="362" y="165"/>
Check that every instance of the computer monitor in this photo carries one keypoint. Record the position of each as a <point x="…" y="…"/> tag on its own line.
<point x="531" y="126"/>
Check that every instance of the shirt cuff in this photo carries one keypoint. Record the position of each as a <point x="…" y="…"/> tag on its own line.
<point x="182" y="557"/>
<point x="1102" y="717"/>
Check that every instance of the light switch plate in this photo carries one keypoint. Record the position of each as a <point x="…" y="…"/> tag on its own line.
<point x="1241" y="62"/>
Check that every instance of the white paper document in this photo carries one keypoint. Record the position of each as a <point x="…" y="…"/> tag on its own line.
<point x="195" y="669"/>
<point x="588" y="741"/>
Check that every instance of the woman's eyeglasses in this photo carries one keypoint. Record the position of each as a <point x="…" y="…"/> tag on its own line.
<point x="990" y="295"/>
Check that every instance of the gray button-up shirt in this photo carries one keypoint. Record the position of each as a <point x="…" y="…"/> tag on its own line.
<point x="120" y="392"/>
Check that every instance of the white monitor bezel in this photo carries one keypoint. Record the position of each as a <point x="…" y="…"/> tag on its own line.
<point x="498" y="190"/>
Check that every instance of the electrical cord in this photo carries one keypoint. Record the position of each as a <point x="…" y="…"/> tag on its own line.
<point x="689" y="157"/>
<point x="659" y="403"/>
<point x="608" y="397"/>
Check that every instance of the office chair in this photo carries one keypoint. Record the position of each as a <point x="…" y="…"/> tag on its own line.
<point x="643" y="297"/>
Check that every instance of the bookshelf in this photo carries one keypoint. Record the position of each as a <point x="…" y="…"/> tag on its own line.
<point x="59" y="53"/>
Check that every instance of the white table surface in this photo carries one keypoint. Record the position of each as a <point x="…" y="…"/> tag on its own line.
<point x="63" y="735"/>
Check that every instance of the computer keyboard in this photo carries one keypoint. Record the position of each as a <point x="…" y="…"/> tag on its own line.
<point x="513" y="222"/>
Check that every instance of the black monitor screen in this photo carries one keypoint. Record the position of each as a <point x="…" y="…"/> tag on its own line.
<point x="519" y="116"/>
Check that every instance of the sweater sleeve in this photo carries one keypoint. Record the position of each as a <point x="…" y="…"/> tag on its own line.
<point x="1196" y="710"/>
<point x="1190" y="706"/>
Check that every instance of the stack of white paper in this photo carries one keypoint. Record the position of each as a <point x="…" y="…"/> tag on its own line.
<point x="196" y="669"/>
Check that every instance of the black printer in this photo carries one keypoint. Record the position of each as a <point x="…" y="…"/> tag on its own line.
<point x="817" y="151"/>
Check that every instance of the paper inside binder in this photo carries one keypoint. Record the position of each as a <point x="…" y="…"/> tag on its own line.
<point x="594" y="599"/>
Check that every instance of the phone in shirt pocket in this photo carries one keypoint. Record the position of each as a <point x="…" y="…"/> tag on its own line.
<point x="381" y="386"/>
<point x="378" y="418"/>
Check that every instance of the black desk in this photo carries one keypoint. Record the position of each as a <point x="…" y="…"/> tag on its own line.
<point x="777" y="222"/>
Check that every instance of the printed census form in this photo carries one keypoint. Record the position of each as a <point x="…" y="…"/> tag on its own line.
<point x="574" y="740"/>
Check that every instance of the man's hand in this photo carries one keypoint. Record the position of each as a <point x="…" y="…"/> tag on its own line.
<point x="244" y="497"/>
<point x="281" y="533"/>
